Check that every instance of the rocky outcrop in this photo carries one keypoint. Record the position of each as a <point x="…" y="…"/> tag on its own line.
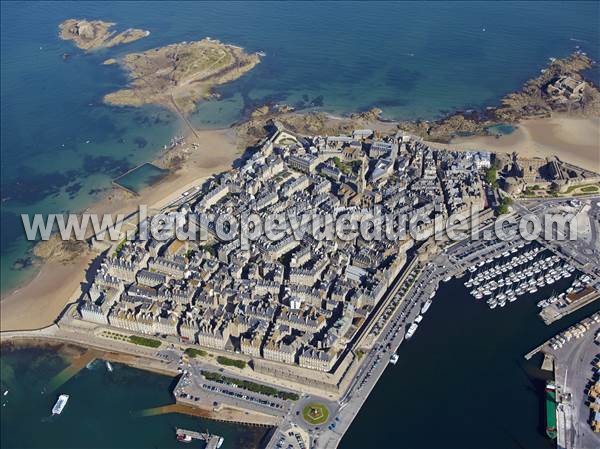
<point x="538" y="98"/>
<point x="372" y="114"/>
<point x="57" y="250"/>
<point x="96" y="34"/>
<point x="179" y="75"/>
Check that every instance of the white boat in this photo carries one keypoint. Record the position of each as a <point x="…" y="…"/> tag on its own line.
<point x="411" y="330"/>
<point x="60" y="404"/>
<point x="426" y="306"/>
<point x="446" y="279"/>
<point x="394" y="359"/>
<point x="109" y="367"/>
<point x="184" y="438"/>
<point x="220" y="443"/>
<point x="418" y="319"/>
<point x="5" y="393"/>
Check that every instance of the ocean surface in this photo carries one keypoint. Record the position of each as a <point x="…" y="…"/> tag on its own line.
<point x="105" y="409"/>
<point x="461" y="382"/>
<point x="60" y="146"/>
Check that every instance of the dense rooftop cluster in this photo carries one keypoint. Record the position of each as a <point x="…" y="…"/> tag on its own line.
<point x="297" y="299"/>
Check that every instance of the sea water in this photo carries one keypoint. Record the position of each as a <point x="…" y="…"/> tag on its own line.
<point x="105" y="409"/>
<point x="61" y="146"/>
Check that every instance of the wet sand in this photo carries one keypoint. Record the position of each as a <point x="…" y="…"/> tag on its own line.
<point x="573" y="140"/>
<point x="39" y="302"/>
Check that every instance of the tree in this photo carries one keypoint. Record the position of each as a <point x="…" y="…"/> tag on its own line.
<point x="491" y="176"/>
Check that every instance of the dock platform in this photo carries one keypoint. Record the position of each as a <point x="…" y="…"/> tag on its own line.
<point x="212" y="441"/>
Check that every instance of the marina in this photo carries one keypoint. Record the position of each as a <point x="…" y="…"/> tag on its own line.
<point x="521" y="271"/>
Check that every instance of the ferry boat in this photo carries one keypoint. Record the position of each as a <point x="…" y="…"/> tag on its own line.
<point x="60" y="404"/>
<point x="394" y="359"/>
<point x="551" y="410"/>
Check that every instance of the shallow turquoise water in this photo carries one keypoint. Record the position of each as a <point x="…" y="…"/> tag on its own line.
<point x="61" y="146"/>
<point x="141" y="177"/>
<point x="502" y="129"/>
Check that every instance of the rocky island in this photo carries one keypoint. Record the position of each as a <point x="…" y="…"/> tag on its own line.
<point x="90" y="35"/>
<point x="178" y="75"/>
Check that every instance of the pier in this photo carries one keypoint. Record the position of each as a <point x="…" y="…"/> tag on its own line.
<point x="77" y="365"/>
<point x="212" y="441"/>
<point x="552" y="313"/>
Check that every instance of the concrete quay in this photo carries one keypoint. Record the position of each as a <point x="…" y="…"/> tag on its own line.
<point x="573" y="370"/>
<point x="573" y="364"/>
<point x="553" y="313"/>
<point x="374" y="361"/>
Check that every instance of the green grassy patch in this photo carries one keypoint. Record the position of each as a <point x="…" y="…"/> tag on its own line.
<point x="193" y="352"/>
<point x="347" y="168"/>
<point x="315" y="413"/>
<point x="503" y="208"/>
<point x="251" y="386"/>
<point x="491" y="176"/>
<point x="583" y="187"/>
<point x="143" y="341"/>
<point x="231" y="362"/>
<point x="119" y="247"/>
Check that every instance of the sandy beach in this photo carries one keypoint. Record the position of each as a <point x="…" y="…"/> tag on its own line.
<point x="573" y="140"/>
<point x="40" y="301"/>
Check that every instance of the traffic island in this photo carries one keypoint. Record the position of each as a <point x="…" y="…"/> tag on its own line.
<point x="315" y="413"/>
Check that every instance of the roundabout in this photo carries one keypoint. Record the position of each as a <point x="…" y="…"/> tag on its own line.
<point x="315" y="413"/>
